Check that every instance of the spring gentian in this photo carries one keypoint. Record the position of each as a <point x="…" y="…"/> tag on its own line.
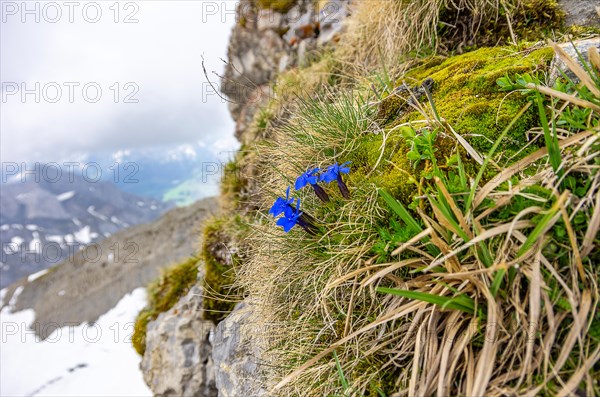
<point x="293" y="216"/>
<point x="281" y="205"/>
<point x="310" y="178"/>
<point x="290" y="217"/>
<point x="334" y="173"/>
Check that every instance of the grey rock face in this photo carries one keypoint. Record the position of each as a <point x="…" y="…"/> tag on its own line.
<point x="178" y="360"/>
<point x="581" y="12"/>
<point x="237" y="354"/>
<point x="578" y="51"/>
<point x="265" y="43"/>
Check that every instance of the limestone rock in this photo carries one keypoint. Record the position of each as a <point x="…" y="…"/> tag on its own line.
<point x="268" y="42"/>
<point x="581" y="12"/>
<point x="237" y="354"/>
<point x="572" y="49"/>
<point x="178" y="360"/>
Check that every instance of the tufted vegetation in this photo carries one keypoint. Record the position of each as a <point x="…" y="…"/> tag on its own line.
<point x="433" y="253"/>
<point x="463" y="261"/>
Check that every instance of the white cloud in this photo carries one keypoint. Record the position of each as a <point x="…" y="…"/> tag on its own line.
<point x="160" y="56"/>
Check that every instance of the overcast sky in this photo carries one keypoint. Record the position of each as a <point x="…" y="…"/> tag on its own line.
<point x="148" y="72"/>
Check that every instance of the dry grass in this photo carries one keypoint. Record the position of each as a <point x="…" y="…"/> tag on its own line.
<point x="533" y="302"/>
<point x="380" y="31"/>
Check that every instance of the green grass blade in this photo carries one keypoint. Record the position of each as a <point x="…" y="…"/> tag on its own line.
<point x="550" y="137"/>
<point x="529" y="242"/>
<point x="343" y="379"/>
<point x="464" y="304"/>
<point x="399" y="209"/>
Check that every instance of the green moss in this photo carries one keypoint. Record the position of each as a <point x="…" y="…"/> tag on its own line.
<point x="281" y="6"/>
<point x="467" y="96"/>
<point x="163" y="294"/>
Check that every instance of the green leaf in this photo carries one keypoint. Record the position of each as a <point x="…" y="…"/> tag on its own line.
<point x="550" y="137"/>
<point x="343" y="379"/>
<point x="413" y="155"/>
<point x="461" y="302"/>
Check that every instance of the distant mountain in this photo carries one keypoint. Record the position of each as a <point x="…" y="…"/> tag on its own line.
<point x="44" y="222"/>
<point x="79" y="289"/>
<point x="181" y="174"/>
<point x="84" y="296"/>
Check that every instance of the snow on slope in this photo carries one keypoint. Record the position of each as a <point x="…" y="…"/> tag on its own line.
<point x="86" y="360"/>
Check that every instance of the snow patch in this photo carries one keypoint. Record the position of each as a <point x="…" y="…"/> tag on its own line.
<point x="13" y="300"/>
<point x="83" y="235"/>
<point x="32" y="227"/>
<point x="66" y="195"/>
<point x="4" y="227"/>
<point x="37" y="275"/>
<point x="35" y="245"/>
<point x="87" y="360"/>
<point x="92" y="211"/>
<point x="55" y="239"/>
<point x="14" y="246"/>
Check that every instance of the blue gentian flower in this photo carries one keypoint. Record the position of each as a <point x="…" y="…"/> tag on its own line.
<point x="290" y="218"/>
<point x="334" y="173"/>
<point x="281" y="205"/>
<point x="309" y="177"/>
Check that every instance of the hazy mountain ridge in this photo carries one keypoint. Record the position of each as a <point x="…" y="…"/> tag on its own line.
<point x="44" y="222"/>
<point x="80" y="288"/>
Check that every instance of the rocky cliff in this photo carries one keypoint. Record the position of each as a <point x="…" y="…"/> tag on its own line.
<point x="185" y="354"/>
<point x="189" y="350"/>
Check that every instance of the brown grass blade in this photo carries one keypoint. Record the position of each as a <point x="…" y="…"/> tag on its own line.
<point x="592" y="230"/>
<point x="565" y="97"/>
<point x="576" y="68"/>
<point x="573" y="241"/>
<point x="482" y="237"/>
<point x="402" y="311"/>
<point x="485" y="362"/>
<point x="594" y="57"/>
<point x="457" y="213"/>
<point x="575" y="379"/>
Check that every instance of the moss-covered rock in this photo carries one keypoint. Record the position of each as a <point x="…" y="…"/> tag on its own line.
<point x="281" y="6"/>
<point x="467" y="96"/>
<point x="163" y="294"/>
